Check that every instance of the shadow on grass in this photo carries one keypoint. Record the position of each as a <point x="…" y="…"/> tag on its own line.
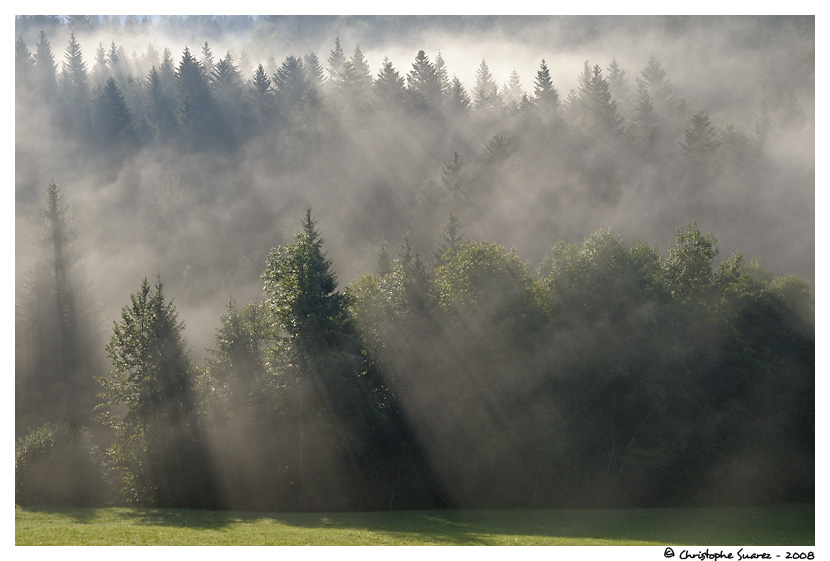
<point x="179" y="518"/>
<point x="78" y="515"/>
<point x="770" y="525"/>
<point x="445" y="527"/>
<point x="753" y="526"/>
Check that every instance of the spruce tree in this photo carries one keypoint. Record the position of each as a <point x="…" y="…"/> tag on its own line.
<point x="483" y="93"/>
<point x="314" y="71"/>
<point x="148" y="400"/>
<point x="644" y="129"/>
<point x="24" y="65"/>
<point x="423" y="84"/>
<point x="458" y="100"/>
<point x="55" y="327"/>
<point x="45" y="69"/>
<point x="289" y="84"/>
<point x="111" y="117"/>
<point x="74" y="85"/>
<point x="389" y="85"/>
<point x="442" y="74"/>
<point x="327" y="395"/>
<point x="336" y="60"/>
<point x="701" y="141"/>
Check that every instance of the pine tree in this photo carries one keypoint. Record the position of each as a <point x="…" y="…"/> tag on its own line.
<point x="158" y="452"/>
<point x="653" y="78"/>
<point x="314" y="71"/>
<point x="457" y="100"/>
<point x="289" y="84"/>
<point x="701" y="142"/>
<point x="167" y="73"/>
<point x="450" y="238"/>
<point x="195" y="103"/>
<point x="423" y="85"/>
<point x="336" y="60"/>
<point x="545" y="95"/>
<point x="24" y="65"/>
<point x="112" y="119"/>
<point x="54" y="329"/>
<point x="326" y="394"/>
<point x="454" y="180"/>
<point x="161" y="106"/>
<point x="389" y="85"/>
<point x="644" y="129"/>
<point x="618" y="84"/>
<point x="442" y="75"/>
<point x="303" y="290"/>
<point x="207" y="62"/>
<point x="75" y="88"/>
<point x="361" y="81"/>
<point x="100" y="72"/>
<point x="513" y="91"/>
<point x="484" y="89"/>
<point x="45" y="69"/>
<point x="264" y="103"/>
<point x="598" y="109"/>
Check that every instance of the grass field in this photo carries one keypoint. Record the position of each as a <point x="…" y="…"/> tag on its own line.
<point x="774" y="525"/>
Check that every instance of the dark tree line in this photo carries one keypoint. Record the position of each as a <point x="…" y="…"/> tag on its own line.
<point x="611" y="375"/>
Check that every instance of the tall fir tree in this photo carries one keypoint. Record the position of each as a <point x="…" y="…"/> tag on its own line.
<point x="55" y="328"/>
<point x="149" y="401"/>
<point x="423" y="84"/>
<point x="483" y="93"/>
<point x="74" y="86"/>
<point x="45" y="69"/>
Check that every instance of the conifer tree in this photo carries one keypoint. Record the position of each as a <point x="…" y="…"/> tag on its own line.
<point x="45" y="69"/>
<point x="74" y="86"/>
<point x="55" y="329"/>
<point x="100" y="72"/>
<point x="458" y="100"/>
<point x="24" y="65"/>
<point x="264" y="103"/>
<point x="195" y="103"/>
<point x="545" y="95"/>
<point x="483" y="93"/>
<point x="599" y="110"/>
<point x="644" y="129"/>
<point x="112" y="119"/>
<point x="513" y="91"/>
<point x="442" y="74"/>
<point x="161" y="106"/>
<point x="618" y="84"/>
<point x="207" y="61"/>
<point x="701" y="141"/>
<point x="322" y="384"/>
<point x="289" y="84"/>
<point x="314" y="71"/>
<point x="159" y="452"/>
<point x="450" y="238"/>
<point x="653" y="79"/>
<point x="423" y="84"/>
<point x="336" y="60"/>
<point x="389" y="85"/>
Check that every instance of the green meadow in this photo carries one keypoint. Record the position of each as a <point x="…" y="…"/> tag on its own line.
<point x="751" y="526"/>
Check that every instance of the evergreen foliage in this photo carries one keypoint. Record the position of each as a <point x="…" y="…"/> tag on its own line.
<point x="614" y="374"/>
<point x="158" y="453"/>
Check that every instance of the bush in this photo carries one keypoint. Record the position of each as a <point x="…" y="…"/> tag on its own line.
<point x="59" y="465"/>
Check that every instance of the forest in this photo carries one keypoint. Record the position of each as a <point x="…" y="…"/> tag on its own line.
<point x="559" y="261"/>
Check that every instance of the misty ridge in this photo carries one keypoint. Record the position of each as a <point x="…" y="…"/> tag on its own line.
<point x="371" y="262"/>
